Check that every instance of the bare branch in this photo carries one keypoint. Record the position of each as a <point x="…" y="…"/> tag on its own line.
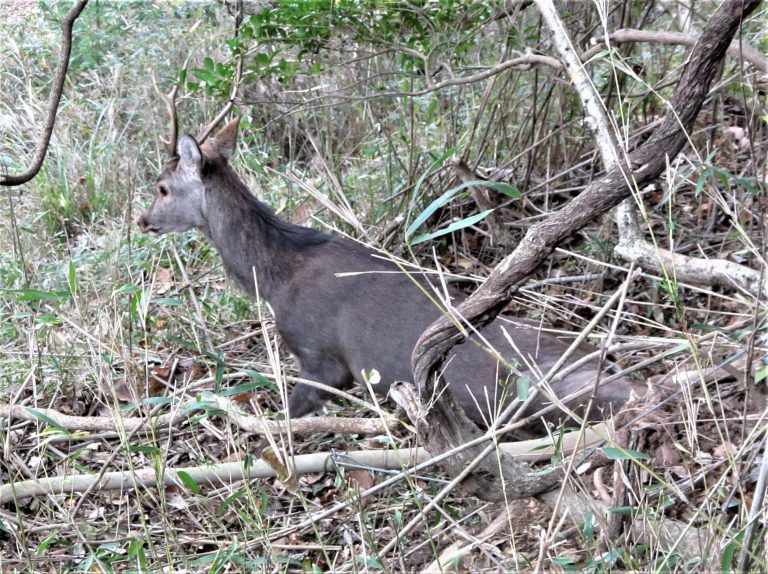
<point x="523" y="62"/>
<point x="250" y="423"/>
<point x="53" y="103"/>
<point x="625" y="35"/>
<point x="510" y="9"/>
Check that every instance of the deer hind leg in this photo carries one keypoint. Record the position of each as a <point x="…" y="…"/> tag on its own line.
<point x="305" y="400"/>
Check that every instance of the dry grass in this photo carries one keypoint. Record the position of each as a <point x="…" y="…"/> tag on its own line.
<point x="96" y="320"/>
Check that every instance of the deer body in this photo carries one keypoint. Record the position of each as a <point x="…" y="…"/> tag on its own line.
<point x="338" y="327"/>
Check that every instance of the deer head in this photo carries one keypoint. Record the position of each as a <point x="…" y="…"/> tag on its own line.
<point x="179" y="203"/>
<point x="179" y="200"/>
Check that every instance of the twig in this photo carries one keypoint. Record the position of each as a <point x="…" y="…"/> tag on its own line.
<point x="458" y="549"/>
<point x="195" y="303"/>
<point x="755" y="510"/>
<point x="206" y="131"/>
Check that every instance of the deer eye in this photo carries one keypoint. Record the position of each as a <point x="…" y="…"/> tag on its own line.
<point x="163" y="190"/>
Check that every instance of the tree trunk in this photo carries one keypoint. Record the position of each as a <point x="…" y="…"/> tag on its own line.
<point x="445" y="426"/>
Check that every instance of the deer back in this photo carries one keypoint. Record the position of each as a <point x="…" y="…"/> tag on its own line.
<point x="342" y="309"/>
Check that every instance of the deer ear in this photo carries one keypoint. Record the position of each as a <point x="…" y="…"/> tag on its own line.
<point x="190" y="158"/>
<point x="225" y="139"/>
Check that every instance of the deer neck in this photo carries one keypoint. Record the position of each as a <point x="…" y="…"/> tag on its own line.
<point x="260" y="251"/>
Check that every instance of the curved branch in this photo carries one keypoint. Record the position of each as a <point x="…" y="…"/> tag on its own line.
<point x="524" y="62"/>
<point x="644" y="166"/>
<point x="53" y="102"/>
<point x="632" y="246"/>
<point x="229" y="410"/>
<point x="625" y="35"/>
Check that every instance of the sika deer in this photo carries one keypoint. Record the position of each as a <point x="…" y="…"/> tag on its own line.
<point x="336" y="326"/>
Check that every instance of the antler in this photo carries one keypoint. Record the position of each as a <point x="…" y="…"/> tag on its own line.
<point x="206" y="131"/>
<point x="170" y="105"/>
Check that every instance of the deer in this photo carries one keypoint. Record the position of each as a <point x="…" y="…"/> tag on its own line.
<point x="344" y="310"/>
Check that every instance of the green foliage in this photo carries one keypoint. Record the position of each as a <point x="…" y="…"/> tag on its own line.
<point x="424" y="33"/>
<point x="103" y="28"/>
<point x="99" y="30"/>
<point x="467" y="221"/>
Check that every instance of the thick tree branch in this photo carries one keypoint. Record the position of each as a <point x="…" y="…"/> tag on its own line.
<point x="632" y="246"/>
<point x="643" y="167"/>
<point x="53" y="102"/>
<point x="750" y="54"/>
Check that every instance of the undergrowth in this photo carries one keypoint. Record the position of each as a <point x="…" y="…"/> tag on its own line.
<point x="98" y="320"/>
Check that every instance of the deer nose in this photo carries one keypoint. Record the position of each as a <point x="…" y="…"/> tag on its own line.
<point x="144" y="225"/>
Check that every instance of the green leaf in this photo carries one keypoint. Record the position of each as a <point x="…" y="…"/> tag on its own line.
<point x="258" y="376"/>
<point x="219" y="375"/>
<point x="370" y="562"/>
<point x="466" y="222"/>
<point x="145" y="449"/>
<point x="36" y="295"/>
<point x="702" y="180"/>
<point x="72" y="276"/>
<point x="168" y="301"/>
<point x="504" y="188"/>
<point x="205" y="76"/>
<point x="50" y="539"/>
<point x="523" y="387"/>
<point x="622" y="510"/>
<point x="589" y="525"/>
<point x="431" y="109"/>
<point x="152" y="401"/>
<point x="188" y="481"/>
<point x="600" y="55"/>
<point x="245" y="388"/>
<point x="729" y="552"/>
<point x="625" y="454"/>
<point x="437" y="162"/>
<point x="48" y="420"/>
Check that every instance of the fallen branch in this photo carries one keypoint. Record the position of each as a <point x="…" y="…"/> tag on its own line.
<point x="699" y="271"/>
<point x="533" y="450"/>
<point x="221" y="474"/>
<point x="213" y="475"/>
<point x="249" y="423"/>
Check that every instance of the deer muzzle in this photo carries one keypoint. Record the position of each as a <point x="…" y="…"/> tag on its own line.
<point x="145" y="226"/>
